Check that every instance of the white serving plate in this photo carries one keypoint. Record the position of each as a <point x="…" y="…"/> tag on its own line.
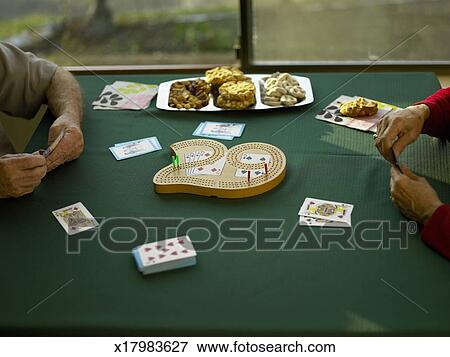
<point x="162" y="101"/>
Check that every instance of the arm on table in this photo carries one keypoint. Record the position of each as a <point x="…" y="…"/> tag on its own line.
<point x="65" y="102"/>
<point x="438" y="123"/>
<point x="436" y="232"/>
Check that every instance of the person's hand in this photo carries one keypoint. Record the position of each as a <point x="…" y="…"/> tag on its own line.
<point x="70" y="147"/>
<point x="413" y="195"/>
<point x="399" y="129"/>
<point x="20" y="174"/>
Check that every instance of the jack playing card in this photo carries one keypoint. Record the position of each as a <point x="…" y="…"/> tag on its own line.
<point x="165" y="255"/>
<point x="327" y="211"/>
<point x="75" y="218"/>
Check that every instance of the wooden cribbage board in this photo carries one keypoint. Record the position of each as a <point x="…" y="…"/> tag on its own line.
<point x="226" y="185"/>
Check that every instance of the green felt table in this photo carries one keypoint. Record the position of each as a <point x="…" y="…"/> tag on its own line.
<point x="296" y="290"/>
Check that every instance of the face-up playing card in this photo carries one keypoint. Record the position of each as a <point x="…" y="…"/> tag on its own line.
<point x="318" y="222"/>
<point x="75" y="218"/>
<point x="214" y="169"/>
<point x="195" y="156"/>
<point x="327" y="210"/>
<point x="250" y="158"/>
<point x="253" y="173"/>
<point x="165" y="255"/>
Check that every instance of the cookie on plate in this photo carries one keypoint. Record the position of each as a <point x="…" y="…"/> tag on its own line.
<point x="359" y="107"/>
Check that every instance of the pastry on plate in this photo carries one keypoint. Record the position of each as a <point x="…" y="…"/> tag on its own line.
<point x="189" y="94"/>
<point x="219" y="75"/>
<point x="236" y="95"/>
<point x="281" y="89"/>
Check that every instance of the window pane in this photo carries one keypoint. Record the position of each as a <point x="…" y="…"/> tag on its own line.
<point x="351" y="30"/>
<point x="113" y="32"/>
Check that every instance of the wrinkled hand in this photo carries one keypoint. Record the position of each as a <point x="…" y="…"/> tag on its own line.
<point x="399" y="129"/>
<point x="70" y="147"/>
<point x="413" y="195"/>
<point x="20" y="174"/>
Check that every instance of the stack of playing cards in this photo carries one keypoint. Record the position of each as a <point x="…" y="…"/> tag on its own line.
<point x="125" y="95"/>
<point x="165" y="255"/>
<point x="75" y="218"/>
<point x="134" y="148"/>
<point x="333" y="115"/>
<point x="212" y="169"/>
<point x="220" y="131"/>
<point x="320" y="213"/>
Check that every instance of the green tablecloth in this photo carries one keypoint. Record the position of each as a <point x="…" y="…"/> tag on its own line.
<point x="254" y="292"/>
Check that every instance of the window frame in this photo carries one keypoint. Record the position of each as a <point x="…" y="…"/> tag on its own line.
<point x="248" y="63"/>
<point x="245" y="59"/>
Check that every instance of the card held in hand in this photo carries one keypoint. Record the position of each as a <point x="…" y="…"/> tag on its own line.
<point x="174" y="253"/>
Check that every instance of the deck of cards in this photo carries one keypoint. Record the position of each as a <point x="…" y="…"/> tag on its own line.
<point x="331" y="113"/>
<point x="125" y="96"/>
<point x="75" y="218"/>
<point x="320" y="213"/>
<point x="128" y="149"/>
<point x="219" y="131"/>
<point x="165" y="255"/>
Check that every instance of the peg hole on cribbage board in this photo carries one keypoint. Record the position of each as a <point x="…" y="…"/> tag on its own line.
<point x="226" y="185"/>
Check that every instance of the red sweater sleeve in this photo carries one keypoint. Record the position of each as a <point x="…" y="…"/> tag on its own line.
<point x="436" y="232"/>
<point x="438" y="124"/>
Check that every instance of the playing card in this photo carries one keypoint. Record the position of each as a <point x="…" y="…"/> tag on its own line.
<point x="165" y="255"/>
<point x="253" y="173"/>
<point x="318" y="222"/>
<point x="75" y="218"/>
<point x="198" y="132"/>
<point x="250" y="158"/>
<point x="328" y="210"/>
<point x="133" y="149"/>
<point x="47" y="152"/>
<point x="187" y="159"/>
<point x="212" y="169"/>
<point x="223" y="129"/>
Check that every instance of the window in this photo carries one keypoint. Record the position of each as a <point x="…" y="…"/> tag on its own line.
<point x="117" y="32"/>
<point x="188" y="32"/>
<point x="294" y="31"/>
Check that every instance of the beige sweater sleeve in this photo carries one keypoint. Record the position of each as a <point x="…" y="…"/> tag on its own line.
<point x="24" y="80"/>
